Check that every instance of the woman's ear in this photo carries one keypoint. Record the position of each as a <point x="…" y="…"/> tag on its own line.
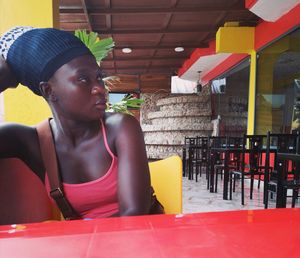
<point x="47" y="91"/>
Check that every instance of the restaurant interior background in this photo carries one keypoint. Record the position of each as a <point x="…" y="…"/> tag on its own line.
<point x="262" y="89"/>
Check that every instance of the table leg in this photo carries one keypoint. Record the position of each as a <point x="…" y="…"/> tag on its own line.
<point x="212" y="172"/>
<point x="281" y="191"/>
<point x="190" y="165"/>
<point x="226" y="176"/>
<point x="184" y="161"/>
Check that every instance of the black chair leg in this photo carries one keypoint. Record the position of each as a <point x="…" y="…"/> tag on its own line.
<point x="295" y="196"/>
<point x="216" y="181"/>
<point x="266" y="197"/>
<point x="259" y="178"/>
<point x="208" y="177"/>
<point x="234" y="182"/>
<point x="251" y="187"/>
<point x="243" y="191"/>
<point x="200" y="169"/>
<point x="230" y="186"/>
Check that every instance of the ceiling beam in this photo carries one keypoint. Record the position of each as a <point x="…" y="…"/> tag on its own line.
<point x="69" y="26"/>
<point x="169" y="68"/>
<point x="157" y="31"/>
<point x="199" y="45"/>
<point x="86" y="14"/>
<point x="174" y="10"/>
<point x="149" y="58"/>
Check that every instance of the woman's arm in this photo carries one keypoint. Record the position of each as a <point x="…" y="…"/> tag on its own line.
<point x="7" y="79"/>
<point x="19" y="141"/>
<point x="133" y="174"/>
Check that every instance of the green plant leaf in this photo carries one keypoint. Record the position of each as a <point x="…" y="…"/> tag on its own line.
<point x="127" y="102"/>
<point x="99" y="47"/>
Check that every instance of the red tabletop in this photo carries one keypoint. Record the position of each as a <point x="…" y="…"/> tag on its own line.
<point x="260" y="233"/>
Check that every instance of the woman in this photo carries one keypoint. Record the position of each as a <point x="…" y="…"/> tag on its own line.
<point x="101" y="156"/>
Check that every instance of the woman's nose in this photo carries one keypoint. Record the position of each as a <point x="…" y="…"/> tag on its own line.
<point x="98" y="89"/>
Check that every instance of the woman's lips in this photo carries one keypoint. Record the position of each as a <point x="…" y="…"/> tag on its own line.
<point x="100" y="104"/>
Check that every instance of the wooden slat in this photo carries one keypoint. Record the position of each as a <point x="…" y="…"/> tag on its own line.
<point x="174" y="10"/>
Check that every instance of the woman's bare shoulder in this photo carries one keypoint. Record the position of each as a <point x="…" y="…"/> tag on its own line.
<point x="20" y="141"/>
<point x="16" y="130"/>
<point x="121" y="124"/>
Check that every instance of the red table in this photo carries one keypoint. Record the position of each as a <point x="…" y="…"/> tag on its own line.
<point x="260" y="233"/>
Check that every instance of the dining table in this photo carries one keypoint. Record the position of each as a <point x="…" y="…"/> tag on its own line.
<point x="245" y="233"/>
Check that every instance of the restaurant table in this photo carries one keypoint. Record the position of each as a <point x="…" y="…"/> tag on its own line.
<point x="281" y="190"/>
<point x="259" y="233"/>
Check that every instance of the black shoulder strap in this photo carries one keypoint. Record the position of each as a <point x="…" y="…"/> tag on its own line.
<point x="50" y="162"/>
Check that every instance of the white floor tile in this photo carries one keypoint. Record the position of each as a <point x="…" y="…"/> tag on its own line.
<point x="196" y="197"/>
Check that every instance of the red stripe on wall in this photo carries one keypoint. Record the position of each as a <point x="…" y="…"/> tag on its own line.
<point x="266" y="32"/>
<point x="223" y="67"/>
<point x="197" y="53"/>
<point x="250" y="3"/>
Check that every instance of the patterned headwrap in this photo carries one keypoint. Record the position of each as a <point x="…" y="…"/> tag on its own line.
<point x="9" y="38"/>
<point x="35" y="54"/>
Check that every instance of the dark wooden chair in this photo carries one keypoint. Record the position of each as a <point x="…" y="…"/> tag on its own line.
<point x="23" y="198"/>
<point x="287" y="172"/>
<point x="201" y="160"/>
<point x="189" y="154"/>
<point x="255" y="167"/>
<point x="185" y="154"/>
<point x="282" y="143"/>
<point x="234" y="158"/>
<point x="216" y="159"/>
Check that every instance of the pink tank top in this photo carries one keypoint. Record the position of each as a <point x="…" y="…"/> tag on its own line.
<point x="97" y="198"/>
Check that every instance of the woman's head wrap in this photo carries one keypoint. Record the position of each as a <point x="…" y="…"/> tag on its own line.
<point x="36" y="54"/>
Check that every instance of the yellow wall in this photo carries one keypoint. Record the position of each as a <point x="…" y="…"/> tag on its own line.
<point x="20" y="104"/>
<point x="226" y="39"/>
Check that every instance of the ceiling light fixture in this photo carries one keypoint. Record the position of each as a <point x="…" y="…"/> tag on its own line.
<point x="126" y="50"/>
<point x="179" y="49"/>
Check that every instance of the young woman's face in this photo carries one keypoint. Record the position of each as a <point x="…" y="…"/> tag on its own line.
<point x="79" y="89"/>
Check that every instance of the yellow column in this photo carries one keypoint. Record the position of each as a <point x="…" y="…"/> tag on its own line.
<point x="251" y="96"/>
<point x="21" y="105"/>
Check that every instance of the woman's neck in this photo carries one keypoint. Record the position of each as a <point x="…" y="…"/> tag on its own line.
<point x="72" y="132"/>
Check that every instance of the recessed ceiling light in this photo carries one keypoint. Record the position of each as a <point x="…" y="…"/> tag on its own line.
<point x="179" y="49"/>
<point x="126" y="50"/>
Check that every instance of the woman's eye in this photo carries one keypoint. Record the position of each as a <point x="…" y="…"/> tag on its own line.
<point x="83" y="79"/>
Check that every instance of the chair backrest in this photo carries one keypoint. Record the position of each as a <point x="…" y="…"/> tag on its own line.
<point x="190" y="140"/>
<point x="235" y="142"/>
<point x="282" y="143"/>
<point x="253" y="148"/>
<point x="166" y="179"/>
<point x="204" y="148"/>
<point x="218" y="141"/>
<point x="23" y="198"/>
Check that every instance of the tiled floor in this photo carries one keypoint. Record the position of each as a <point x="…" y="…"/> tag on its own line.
<point x="196" y="198"/>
